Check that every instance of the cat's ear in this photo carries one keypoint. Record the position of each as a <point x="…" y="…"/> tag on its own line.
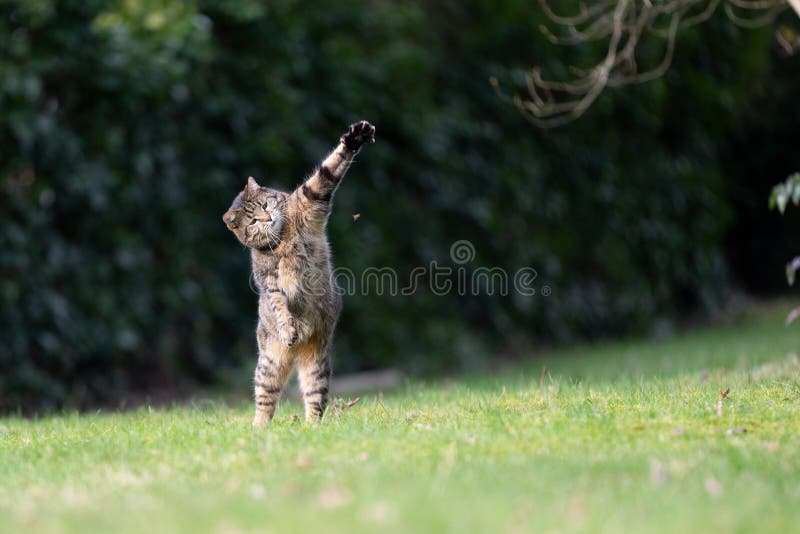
<point x="251" y="188"/>
<point x="230" y="219"/>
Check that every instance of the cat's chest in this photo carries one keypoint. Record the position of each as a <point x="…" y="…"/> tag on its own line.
<point x="297" y="272"/>
<point x="298" y="269"/>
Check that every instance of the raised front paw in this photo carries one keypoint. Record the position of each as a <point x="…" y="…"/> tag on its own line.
<point x="288" y="334"/>
<point x="358" y="134"/>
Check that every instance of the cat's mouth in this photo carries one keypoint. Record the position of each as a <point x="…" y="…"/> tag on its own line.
<point x="264" y="234"/>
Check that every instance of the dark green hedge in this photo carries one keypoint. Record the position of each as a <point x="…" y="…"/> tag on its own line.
<point x="127" y="127"/>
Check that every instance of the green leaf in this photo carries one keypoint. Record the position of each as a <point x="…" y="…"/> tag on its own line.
<point x="783" y="192"/>
<point x="783" y="198"/>
<point x="791" y="270"/>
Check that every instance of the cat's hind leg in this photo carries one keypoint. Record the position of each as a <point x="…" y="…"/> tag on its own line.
<point x="272" y="371"/>
<point x="315" y="378"/>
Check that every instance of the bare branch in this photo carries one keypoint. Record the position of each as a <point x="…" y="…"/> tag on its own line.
<point x="624" y="24"/>
<point x="755" y="22"/>
<point x="756" y="5"/>
<point x="659" y="70"/>
<point x="580" y="18"/>
<point x="702" y="16"/>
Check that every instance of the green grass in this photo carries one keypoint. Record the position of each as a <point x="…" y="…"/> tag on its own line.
<point x="617" y="437"/>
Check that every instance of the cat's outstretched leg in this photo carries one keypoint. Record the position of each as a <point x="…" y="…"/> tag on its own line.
<point x="272" y="370"/>
<point x="315" y="378"/>
<point x="318" y="190"/>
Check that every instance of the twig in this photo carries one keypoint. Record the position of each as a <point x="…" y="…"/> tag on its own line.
<point x="722" y="396"/>
<point x="623" y="23"/>
<point x="351" y="403"/>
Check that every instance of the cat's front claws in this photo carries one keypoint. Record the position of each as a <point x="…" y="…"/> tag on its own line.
<point x="288" y="334"/>
<point x="358" y="134"/>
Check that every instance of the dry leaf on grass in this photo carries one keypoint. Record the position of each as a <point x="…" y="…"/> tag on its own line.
<point x="659" y="473"/>
<point x="334" y="497"/>
<point x="351" y="403"/>
<point x="736" y="430"/>
<point x="304" y="461"/>
<point x="713" y="486"/>
<point x="338" y="406"/>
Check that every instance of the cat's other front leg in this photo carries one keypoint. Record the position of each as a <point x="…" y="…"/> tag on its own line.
<point x="272" y="370"/>
<point x="315" y="378"/>
<point x="287" y="331"/>
<point x="279" y="306"/>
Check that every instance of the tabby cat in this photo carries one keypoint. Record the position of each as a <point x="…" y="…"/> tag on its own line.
<point x="298" y="304"/>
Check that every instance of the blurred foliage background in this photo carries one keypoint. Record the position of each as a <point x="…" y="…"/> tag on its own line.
<point x="127" y="126"/>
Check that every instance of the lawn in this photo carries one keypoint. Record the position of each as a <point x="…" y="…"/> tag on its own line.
<point x="627" y="436"/>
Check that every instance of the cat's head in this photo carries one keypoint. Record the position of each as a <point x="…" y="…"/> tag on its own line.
<point x="257" y="215"/>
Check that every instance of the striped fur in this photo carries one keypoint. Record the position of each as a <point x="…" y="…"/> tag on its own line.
<point x="298" y="304"/>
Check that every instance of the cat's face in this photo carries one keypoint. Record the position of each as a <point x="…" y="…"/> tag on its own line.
<point x="257" y="215"/>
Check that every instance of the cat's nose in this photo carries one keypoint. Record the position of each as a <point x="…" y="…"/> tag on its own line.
<point x="264" y="217"/>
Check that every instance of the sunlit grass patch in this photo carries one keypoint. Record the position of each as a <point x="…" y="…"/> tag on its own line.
<point x="631" y="436"/>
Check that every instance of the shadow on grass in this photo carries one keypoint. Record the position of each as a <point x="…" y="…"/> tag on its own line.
<point x="746" y="340"/>
<point x="750" y="339"/>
